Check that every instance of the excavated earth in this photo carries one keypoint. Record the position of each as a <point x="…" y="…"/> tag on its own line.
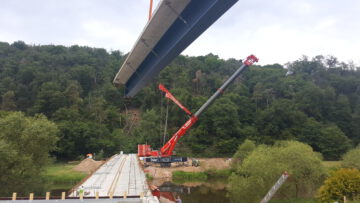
<point x="88" y="165"/>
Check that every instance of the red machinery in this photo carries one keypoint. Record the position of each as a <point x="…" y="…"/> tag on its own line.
<point x="164" y="154"/>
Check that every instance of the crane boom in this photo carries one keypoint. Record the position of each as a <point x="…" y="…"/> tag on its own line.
<point x="248" y="62"/>
<point x="167" y="149"/>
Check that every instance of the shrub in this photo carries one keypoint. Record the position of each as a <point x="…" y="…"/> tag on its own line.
<point x="352" y="159"/>
<point x="344" y="182"/>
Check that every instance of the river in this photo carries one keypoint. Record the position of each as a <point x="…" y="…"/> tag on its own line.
<point x="210" y="191"/>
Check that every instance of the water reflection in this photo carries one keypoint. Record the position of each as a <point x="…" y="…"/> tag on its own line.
<point x="210" y="191"/>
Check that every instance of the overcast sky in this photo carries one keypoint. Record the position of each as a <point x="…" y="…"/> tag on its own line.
<point x="277" y="31"/>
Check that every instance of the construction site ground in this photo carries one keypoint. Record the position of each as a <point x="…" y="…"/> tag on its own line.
<point x="205" y="164"/>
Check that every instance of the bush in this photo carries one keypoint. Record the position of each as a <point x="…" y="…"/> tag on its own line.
<point x="352" y="159"/>
<point x="344" y="182"/>
<point x="262" y="168"/>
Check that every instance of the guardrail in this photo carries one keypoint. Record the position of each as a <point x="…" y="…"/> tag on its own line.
<point x="64" y="197"/>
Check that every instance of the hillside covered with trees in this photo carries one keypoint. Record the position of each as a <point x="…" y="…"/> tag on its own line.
<point x="318" y="103"/>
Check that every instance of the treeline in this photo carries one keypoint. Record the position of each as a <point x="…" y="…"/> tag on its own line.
<point x="318" y="102"/>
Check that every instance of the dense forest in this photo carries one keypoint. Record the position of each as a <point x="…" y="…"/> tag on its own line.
<point x="315" y="101"/>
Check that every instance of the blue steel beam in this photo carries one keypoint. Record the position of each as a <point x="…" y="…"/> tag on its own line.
<point x="191" y="23"/>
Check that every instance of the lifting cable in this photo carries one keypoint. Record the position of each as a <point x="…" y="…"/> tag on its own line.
<point x="161" y="115"/>
<point x="150" y="9"/>
<point x="166" y="120"/>
<point x="163" y="138"/>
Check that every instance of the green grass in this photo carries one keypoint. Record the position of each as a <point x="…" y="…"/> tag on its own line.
<point x="215" y="174"/>
<point x="295" y="201"/>
<point x="303" y="201"/>
<point x="149" y="177"/>
<point x="61" y="176"/>
<point x="181" y="176"/>
<point x="332" y="164"/>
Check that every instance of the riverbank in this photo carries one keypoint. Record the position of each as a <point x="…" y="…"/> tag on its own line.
<point x="211" y="175"/>
<point x="62" y="177"/>
<point x="206" y="164"/>
<point x="208" y="182"/>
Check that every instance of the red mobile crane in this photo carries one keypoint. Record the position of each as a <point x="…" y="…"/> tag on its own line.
<point x="164" y="155"/>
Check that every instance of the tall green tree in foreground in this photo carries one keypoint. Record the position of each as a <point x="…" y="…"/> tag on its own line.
<point x="264" y="165"/>
<point x="25" y="143"/>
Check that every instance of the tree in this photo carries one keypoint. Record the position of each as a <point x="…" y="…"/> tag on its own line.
<point x="73" y="87"/>
<point x="325" y="138"/>
<point x="315" y="101"/>
<point x="264" y="165"/>
<point x="81" y="137"/>
<point x="19" y="45"/>
<point x="334" y="143"/>
<point x="125" y="142"/>
<point x="344" y="182"/>
<point x="148" y="129"/>
<point x="8" y="101"/>
<point x="352" y="159"/>
<point x="355" y="127"/>
<point x="25" y="143"/>
<point x="49" y="99"/>
<point x="341" y="115"/>
<point x="280" y="121"/>
<point x="73" y="93"/>
<point x="243" y="151"/>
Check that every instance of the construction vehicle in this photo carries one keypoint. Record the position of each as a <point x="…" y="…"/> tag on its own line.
<point x="195" y="162"/>
<point x="164" y="155"/>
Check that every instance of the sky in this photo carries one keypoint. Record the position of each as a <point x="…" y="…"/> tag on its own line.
<point x="276" y="31"/>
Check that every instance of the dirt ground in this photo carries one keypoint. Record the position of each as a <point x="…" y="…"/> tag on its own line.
<point x="205" y="164"/>
<point x="88" y="165"/>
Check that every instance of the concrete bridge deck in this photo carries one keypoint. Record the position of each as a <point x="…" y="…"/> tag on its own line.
<point x="120" y="179"/>
<point x="119" y="176"/>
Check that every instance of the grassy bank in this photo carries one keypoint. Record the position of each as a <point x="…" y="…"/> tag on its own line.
<point x="331" y="164"/>
<point x="303" y="201"/>
<point x="60" y="176"/>
<point x="181" y="176"/>
<point x="295" y="201"/>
